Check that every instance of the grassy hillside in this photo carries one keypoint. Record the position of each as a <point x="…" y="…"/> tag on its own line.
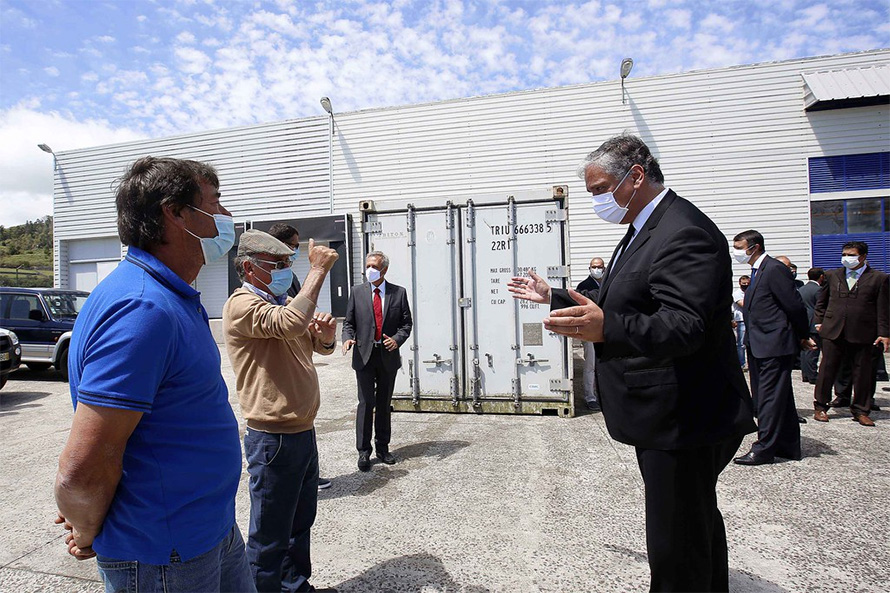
<point x="26" y="253"/>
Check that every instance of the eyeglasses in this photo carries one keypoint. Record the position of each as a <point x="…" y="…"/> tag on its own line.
<point x="276" y="265"/>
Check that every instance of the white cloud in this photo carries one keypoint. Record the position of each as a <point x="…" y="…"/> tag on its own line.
<point x="105" y="39"/>
<point x="185" y="37"/>
<point x="679" y="19"/>
<point x="51" y="71"/>
<point x="27" y="172"/>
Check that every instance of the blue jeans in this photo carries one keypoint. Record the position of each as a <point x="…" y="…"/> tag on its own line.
<point x="224" y="569"/>
<point x="283" y="485"/>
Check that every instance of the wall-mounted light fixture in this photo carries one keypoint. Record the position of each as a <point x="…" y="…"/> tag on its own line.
<point x="326" y="104"/>
<point x="627" y="65"/>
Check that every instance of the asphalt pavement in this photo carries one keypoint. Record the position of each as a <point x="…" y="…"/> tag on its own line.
<point x="497" y="503"/>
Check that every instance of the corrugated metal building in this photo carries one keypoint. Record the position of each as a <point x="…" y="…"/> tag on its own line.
<point x="799" y="150"/>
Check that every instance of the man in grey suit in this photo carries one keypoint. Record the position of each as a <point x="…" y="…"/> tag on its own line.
<point x="378" y="321"/>
<point x="809" y="359"/>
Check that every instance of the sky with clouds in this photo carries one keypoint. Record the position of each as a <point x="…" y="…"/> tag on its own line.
<point x="85" y="73"/>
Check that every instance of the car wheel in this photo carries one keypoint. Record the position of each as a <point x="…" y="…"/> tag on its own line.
<point x="63" y="362"/>
<point x="38" y="366"/>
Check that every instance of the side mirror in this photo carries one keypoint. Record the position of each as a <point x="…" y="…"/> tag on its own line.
<point x="36" y="315"/>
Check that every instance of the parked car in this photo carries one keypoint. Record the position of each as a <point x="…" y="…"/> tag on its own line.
<point x="10" y="354"/>
<point x="42" y="318"/>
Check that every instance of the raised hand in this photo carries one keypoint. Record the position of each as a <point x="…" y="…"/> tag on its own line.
<point x="321" y="256"/>
<point x="533" y="288"/>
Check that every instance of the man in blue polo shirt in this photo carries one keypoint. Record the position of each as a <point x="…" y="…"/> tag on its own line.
<point x="148" y="477"/>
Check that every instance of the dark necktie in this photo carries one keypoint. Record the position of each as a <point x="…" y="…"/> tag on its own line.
<point x="625" y="242"/>
<point x="753" y="273"/>
<point x="378" y="315"/>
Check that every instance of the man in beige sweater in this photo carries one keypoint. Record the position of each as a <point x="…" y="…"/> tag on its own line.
<point x="270" y="340"/>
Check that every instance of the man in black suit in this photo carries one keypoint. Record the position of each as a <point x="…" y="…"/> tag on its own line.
<point x="776" y="329"/>
<point x="809" y="359"/>
<point x="668" y="374"/>
<point x="853" y="317"/>
<point x="377" y="323"/>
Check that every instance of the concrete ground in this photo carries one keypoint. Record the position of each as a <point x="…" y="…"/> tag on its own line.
<point x="497" y="503"/>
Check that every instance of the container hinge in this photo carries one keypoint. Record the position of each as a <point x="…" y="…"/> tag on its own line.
<point x="465" y="303"/>
<point x="557" y="271"/>
<point x="556" y="215"/>
<point x="372" y="226"/>
<point x="561" y="385"/>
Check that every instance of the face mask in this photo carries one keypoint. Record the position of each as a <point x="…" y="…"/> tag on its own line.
<point x="373" y="274"/>
<point x="741" y="255"/>
<point x="215" y="247"/>
<point x="607" y="208"/>
<point x="744" y="287"/>
<point x="596" y="273"/>
<point x="281" y="281"/>
<point x="850" y="261"/>
<point x="293" y="258"/>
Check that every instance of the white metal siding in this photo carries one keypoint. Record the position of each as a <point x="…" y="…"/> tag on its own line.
<point x="734" y="141"/>
<point x="270" y="170"/>
<point x="213" y="284"/>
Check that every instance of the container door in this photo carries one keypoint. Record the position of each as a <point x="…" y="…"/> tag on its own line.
<point x="512" y="358"/>
<point x="423" y="251"/>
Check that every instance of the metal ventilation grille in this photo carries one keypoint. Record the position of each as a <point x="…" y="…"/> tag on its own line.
<point x="850" y="172"/>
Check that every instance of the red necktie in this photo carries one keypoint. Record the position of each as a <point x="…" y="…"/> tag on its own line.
<point x="378" y="315"/>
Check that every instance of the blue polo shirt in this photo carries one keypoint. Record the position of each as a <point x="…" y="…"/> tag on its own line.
<point x="142" y="342"/>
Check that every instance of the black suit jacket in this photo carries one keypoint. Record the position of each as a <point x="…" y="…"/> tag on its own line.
<point x="775" y="316"/>
<point x="359" y="324"/>
<point x="808" y="293"/>
<point x="668" y="372"/>
<point x="859" y="315"/>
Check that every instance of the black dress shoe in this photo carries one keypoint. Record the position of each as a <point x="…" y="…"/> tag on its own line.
<point x="839" y="403"/>
<point x="750" y="458"/>
<point x="875" y="408"/>
<point x="801" y="419"/>
<point x="364" y="461"/>
<point x="386" y="457"/>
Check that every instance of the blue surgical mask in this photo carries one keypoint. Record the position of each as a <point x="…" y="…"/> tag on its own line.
<point x="296" y="254"/>
<point x="281" y="281"/>
<point x="216" y="247"/>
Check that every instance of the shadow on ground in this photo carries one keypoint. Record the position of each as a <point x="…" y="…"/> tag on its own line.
<point x="360" y="483"/>
<point x="738" y="580"/>
<point x="12" y="401"/>
<point x="408" y="574"/>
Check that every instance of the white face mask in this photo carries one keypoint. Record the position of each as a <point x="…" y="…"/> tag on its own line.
<point x="607" y="208"/>
<point x="373" y="274"/>
<point x="850" y="261"/>
<point x="741" y="255"/>
<point x="597" y="273"/>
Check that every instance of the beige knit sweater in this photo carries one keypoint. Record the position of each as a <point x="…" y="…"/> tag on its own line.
<point x="271" y="352"/>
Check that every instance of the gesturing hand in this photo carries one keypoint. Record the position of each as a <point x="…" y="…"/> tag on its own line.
<point x="321" y="256"/>
<point x="584" y="322"/>
<point x="534" y="288"/>
<point x="324" y="327"/>
<point x="347" y="345"/>
<point x="389" y="343"/>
